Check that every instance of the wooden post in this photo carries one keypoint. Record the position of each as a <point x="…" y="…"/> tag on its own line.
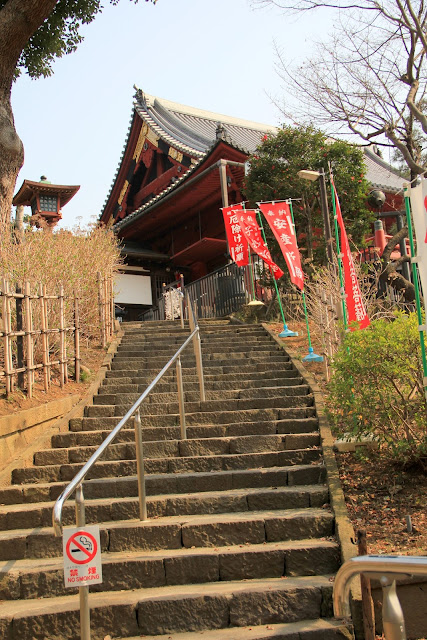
<point x="113" y="308"/>
<point x="365" y="583"/>
<point x="7" y="344"/>
<point x="46" y="324"/>
<point x="62" y="363"/>
<point x="45" y="348"/>
<point x="29" y="336"/>
<point x="19" y="339"/>
<point x="101" y="312"/>
<point x="76" y="337"/>
<point x="107" y="309"/>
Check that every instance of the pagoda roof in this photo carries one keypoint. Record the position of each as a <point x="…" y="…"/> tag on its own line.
<point x="30" y="187"/>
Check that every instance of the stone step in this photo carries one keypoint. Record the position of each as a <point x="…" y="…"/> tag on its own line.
<point x="104" y="509"/>
<point x="291" y="387"/>
<point x="200" y="464"/>
<point x="191" y="389"/>
<point x="117" y="404"/>
<point x="38" y="578"/>
<point x="291" y="428"/>
<point x="178" y="448"/>
<point x="164" y="483"/>
<point x="140" y="377"/>
<point x="199" y="419"/>
<point x="209" y="347"/>
<point x="321" y="629"/>
<point x="212" y="367"/>
<point x="207" y="530"/>
<point x="160" y="610"/>
<point x="189" y="360"/>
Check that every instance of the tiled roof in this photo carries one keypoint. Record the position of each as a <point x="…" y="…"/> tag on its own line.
<point x="193" y="130"/>
<point x="380" y="174"/>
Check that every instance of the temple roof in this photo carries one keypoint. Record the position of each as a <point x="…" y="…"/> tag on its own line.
<point x="380" y="174"/>
<point x="196" y="133"/>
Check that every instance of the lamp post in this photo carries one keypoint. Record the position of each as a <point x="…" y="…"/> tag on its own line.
<point x="306" y="174"/>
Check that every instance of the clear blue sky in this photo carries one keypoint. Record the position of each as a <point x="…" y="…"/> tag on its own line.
<point x="217" y="55"/>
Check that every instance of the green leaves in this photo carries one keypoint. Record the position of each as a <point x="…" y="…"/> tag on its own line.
<point x="273" y="176"/>
<point x="377" y="388"/>
<point x="58" y="35"/>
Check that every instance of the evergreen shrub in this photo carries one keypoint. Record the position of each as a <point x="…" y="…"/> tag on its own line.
<point x="377" y="390"/>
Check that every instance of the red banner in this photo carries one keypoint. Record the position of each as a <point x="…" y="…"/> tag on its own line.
<point x="355" y="308"/>
<point x="236" y="241"/>
<point x="278" y="215"/>
<point x="252" y="233"/>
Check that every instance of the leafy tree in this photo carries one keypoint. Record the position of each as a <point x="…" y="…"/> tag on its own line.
<point x="32" y="34"/>
<point x="273" y="176"/>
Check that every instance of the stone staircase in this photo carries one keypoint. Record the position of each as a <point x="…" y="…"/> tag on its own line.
<point x="240" y="538"/>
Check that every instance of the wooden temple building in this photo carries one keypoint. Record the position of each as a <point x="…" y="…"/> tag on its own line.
<point x="179" y="166"/>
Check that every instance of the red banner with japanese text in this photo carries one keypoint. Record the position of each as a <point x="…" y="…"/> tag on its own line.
<point x="252" y="233"/>
<point x="356" y="310"/>
<point x="237" y="243"/>
<point x="279" y="217"/>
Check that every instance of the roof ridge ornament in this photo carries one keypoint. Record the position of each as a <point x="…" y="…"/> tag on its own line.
<point x="221" y="133"/>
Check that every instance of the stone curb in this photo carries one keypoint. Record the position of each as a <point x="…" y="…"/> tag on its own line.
<point x="42" y="442"/>
<point x="344" y="528"/>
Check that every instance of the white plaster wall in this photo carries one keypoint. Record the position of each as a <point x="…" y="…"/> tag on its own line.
<point x="132" y="289"/>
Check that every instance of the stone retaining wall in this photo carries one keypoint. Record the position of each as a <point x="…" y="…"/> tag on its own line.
<point x="19" y="430"/>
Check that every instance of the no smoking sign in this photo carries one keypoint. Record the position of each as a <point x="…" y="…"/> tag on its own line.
<point x="82" y="556"/>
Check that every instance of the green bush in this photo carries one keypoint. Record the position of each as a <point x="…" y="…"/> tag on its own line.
<point x="377" y="388"/>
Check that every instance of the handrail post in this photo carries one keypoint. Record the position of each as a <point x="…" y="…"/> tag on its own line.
<point x="199" y="365"/>
<point x="181" y="399"/>
<point x="140" y="467"/>
<point x="393" y="620"/>
<point x="83" y="591"/>
<point x="181" y="310"/>
<point x="197" y="348"/>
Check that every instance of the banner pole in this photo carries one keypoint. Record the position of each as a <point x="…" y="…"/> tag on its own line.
<point x="337" y="239"/>
<point x="421" y="327"/>
<point x="286" y="333"/>
<point x="311" y="357"/>
<point x="252" y="273"/>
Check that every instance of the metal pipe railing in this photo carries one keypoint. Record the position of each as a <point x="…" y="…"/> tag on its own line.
<point x="386" y="569"/>
<point x="76" y="482"/>
<point x="79" y="477"/>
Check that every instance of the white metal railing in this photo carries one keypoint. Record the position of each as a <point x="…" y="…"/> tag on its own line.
<point x="385" y="569"/>
<point x="76" y="483"/>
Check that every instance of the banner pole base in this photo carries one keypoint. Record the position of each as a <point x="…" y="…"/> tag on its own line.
<point x="287" y="333"/>
<point x="312" y="357"/>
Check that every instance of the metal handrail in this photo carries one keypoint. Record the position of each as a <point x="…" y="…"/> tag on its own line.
<point x="76" y="483"/>
<point x="79" y="477"/>
<point x="386" y="569"/>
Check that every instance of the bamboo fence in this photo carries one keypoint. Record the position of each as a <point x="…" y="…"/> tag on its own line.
<point x="28" y="344"/>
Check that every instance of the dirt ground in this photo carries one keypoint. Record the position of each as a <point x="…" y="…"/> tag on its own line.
<point x="92" y="358"/>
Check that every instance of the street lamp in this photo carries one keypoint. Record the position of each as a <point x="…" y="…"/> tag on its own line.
<point x="306" y="174"/>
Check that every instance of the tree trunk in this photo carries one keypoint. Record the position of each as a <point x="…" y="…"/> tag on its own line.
<point x="11" y="159"/>
<point x="389" y="275"/>
<point x="19" y="19"/>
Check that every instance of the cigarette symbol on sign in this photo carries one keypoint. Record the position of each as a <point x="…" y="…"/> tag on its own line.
<point x="85" y="543"/>
<point x="81" y="548"/>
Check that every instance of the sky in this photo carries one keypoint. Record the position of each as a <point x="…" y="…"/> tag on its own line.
<point x="217" y="55"/>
